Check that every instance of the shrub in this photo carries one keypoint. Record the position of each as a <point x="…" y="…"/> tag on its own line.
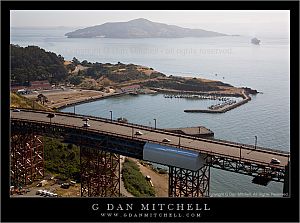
<point x="134" y="181"/>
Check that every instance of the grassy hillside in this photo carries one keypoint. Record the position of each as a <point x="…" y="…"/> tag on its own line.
<point x="19" y="101"/>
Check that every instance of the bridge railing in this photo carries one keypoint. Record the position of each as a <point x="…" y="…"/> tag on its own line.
<point x="113" y="134"/>
<point x="149" y="128"/>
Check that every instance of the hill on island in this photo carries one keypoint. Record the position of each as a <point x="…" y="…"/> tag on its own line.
<point x="139" y="28"/>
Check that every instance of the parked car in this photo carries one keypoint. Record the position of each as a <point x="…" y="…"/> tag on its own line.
<point x="72" y="183"/>
<point x="65" y="185"/>
<point x="275" y="161"/>
<point x="16" y="110"/>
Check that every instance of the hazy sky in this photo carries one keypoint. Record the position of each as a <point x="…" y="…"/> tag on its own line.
<point x="250" y="22"/>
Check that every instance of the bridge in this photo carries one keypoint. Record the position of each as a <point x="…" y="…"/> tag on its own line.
<point x="104" y="140"/>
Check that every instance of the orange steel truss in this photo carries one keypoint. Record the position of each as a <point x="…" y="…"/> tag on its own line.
<point x="100" y="173"/>
<point x="188" y="183"/>
<point x="27" y="159"/>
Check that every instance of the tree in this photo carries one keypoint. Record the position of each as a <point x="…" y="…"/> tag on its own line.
<point x="76" y="80"/>
<point x="75" y="61"/>
<point x="84" y="63"/>
<point x="42" y="98"/>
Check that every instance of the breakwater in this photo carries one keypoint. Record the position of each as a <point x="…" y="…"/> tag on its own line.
<point x="203" y="94"/>
<point x="222" y="109"/>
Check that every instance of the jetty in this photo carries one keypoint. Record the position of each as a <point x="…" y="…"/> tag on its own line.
<point x="222" y="108"/>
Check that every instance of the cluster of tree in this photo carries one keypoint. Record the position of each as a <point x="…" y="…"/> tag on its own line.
<point x="62" y="159"/>
<point x="33" y="63"/>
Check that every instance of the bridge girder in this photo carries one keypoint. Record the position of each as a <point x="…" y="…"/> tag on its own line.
<point x="27" y="158"/>
<point x="189" y="183"/>
<point x="100" y="173"/>
<point x="246" y="168"/>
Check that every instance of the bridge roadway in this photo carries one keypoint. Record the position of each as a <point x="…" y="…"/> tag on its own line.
<point x="233" y="150"/>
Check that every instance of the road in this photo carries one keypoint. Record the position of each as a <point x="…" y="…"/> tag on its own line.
<point x="203" y="145"/>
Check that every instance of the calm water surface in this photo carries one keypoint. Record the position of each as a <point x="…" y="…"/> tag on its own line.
<point x="233" y="59"/>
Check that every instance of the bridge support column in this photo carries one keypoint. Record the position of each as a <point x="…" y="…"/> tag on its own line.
<point x="100" y="173"/>
<point x="27" y="159"/>
<point x="286" y="184"/>
<point x="188" y="183"/>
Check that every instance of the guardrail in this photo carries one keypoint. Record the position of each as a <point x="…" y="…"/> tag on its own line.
<point x="147" y="140"/>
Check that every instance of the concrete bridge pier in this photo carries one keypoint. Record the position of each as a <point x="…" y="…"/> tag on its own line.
<point x="27" y="158"/>
<point x="189" y="183"/>
<point x="100" y="173"/>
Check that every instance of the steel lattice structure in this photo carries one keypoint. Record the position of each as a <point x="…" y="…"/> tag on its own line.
<point x="100" y="173"/>
<point x="188" y="183"/>
<point x="27" y="158"/>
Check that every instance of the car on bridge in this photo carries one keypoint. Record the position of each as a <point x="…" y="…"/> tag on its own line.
<point x="16" y="110"/>
<point x="275" y="161"/>
<point x="166" y="140"/>
<point x="86" y="124"/>
<point x="139" y="133"/>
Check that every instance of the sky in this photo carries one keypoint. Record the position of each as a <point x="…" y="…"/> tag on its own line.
<point x="242" y="22"/>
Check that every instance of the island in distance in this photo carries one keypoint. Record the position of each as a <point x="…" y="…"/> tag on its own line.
<point x="139" y="28"/>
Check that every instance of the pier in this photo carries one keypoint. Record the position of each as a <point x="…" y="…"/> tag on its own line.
<point x="198" y="131"/>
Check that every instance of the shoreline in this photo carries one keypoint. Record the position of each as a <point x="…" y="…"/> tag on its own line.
<point x="86" y="100"/>
<point x="72" y="97"/>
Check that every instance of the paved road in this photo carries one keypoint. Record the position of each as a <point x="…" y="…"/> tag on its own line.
<point x="204" y="145"/>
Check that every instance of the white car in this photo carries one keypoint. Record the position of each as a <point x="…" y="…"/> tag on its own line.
<point x="138" y="133"/>
<point x="16" y="110"/>
<point x="275" y="161"/>
<point x="86" y="125"/>
<point x="166" y="140"/>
